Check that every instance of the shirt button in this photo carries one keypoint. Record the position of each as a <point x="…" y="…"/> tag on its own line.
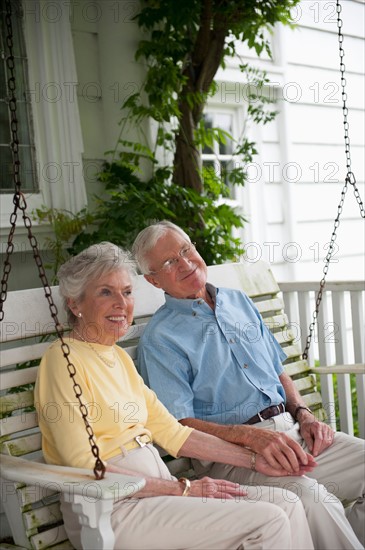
<point x="245" y="366"/>
<point x="194" y="313"/>
<point x="231" y="341"/>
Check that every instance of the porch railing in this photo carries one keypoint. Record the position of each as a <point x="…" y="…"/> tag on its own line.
<point x="337" y="348"/>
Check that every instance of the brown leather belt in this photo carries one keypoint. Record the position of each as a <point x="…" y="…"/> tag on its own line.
<point x="274" y="410"/>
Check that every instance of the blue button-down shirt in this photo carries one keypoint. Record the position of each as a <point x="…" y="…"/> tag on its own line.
<point x="221" y="366"/>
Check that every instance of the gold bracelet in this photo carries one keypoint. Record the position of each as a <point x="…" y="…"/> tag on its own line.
<point x="187" y="487"/>
<point x="253" y="462"/>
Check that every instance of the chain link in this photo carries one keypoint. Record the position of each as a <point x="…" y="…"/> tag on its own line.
<point x="20" y="204"/>
<point x="349" y="180"/>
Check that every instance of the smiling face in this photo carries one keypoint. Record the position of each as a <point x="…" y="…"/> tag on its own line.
<point x="106" y="308"/>
<point x="187" y="277"/>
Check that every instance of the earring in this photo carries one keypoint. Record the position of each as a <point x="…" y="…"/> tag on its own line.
<point x="79" y="314"/>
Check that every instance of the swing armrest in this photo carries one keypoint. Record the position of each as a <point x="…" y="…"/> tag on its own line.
<point x="356" y="368"/>
<point x="69" y="481"/>
<point x="91" y="500"/>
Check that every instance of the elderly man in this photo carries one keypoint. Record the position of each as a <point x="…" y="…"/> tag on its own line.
<point x="199" y="377"/>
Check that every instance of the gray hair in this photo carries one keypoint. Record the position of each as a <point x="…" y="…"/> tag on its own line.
<point x="148" y="237"/>
<point x="88" y="265"/>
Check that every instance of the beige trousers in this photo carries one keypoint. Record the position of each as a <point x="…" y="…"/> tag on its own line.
<point x="340" y="475"/>
<point x="265" y="519"/>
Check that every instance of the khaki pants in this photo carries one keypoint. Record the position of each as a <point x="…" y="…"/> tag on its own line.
<point x="340" y="474"/>
<point x="267" y="521"/>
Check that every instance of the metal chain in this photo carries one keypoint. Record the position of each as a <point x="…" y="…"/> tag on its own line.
<point x="350" y="179"/>
<point x="21" y="204"/>
<point x="10" y="64"/>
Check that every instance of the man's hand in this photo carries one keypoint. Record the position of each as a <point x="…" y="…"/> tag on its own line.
<point x="317" y="435"/>
<point x="280" y="451"/>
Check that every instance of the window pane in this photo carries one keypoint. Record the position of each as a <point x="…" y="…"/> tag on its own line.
<point x="27" y="170"/>
<point x="6" y="181"/>
<point x="226" y="169"/>
<point x="2" y="78"/>
<point x="23" y="127"/>
<point x="208" y="124"/>
<point x="224" y="122"/>
<point x="4" y="124"/>
<point x="27" y="167"/>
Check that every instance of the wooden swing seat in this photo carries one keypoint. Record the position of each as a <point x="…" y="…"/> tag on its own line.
<point x="30" y="488"/>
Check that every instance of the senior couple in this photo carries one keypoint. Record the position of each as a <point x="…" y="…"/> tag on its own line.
<point x="261" y="474"/>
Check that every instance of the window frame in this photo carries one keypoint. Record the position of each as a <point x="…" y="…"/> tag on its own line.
<point x="238" y="117"/>
<point x="56" y="118"/>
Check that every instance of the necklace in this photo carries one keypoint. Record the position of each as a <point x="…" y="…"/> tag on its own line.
<point x="110" y="364"/>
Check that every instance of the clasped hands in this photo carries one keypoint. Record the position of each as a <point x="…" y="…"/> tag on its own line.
<point x="280" y="455"/>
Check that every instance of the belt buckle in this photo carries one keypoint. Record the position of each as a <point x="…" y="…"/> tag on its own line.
<point x="140" y="443"/>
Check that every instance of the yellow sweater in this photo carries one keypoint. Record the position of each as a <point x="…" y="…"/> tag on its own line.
<point x="120" y="406"/>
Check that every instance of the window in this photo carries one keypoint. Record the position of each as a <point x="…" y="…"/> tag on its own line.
<point x="52" y="172"/>
<point x="25" y="129"/>
<point x="220" y="157"/>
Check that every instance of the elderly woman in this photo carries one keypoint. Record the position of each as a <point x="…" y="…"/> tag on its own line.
<point x="97" y="290"/>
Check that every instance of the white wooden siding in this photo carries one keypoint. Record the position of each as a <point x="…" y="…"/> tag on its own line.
<point x="301" y="153"/>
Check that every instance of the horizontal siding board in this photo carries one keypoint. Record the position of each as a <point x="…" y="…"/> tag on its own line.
<point x="321" y="87"/>
<point x="318" y="162"/>
<point x="326" y="126"/>
<point x="322" y="16"/>
<point x="325" y="56"/>
<point x="327" y="196"/>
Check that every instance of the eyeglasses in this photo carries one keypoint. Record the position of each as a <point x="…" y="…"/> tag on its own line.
<point x="186" y="253"/>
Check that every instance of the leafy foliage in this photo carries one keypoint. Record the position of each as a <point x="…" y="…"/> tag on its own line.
<point x="182" y="50"/>
<point x="133" y="203"/>
<point x="65" y="226"/>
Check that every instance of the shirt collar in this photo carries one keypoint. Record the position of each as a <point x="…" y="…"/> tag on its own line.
<point x="186" y="304"/>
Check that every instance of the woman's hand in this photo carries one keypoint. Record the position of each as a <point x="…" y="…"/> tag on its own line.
<point x="203" y="488"/>
<point x="279" y="450"/>
<point x="264" y="467"/>
<point x="216" y="488"/>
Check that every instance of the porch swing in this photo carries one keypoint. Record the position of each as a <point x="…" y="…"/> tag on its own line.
<point x="93" y="498"/>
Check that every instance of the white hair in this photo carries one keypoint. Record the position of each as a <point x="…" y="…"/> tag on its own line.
<point x="147" y="239"/>
<point x="90" y="264"/>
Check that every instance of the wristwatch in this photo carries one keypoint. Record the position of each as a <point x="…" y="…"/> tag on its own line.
<point x="301" y="407"/>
